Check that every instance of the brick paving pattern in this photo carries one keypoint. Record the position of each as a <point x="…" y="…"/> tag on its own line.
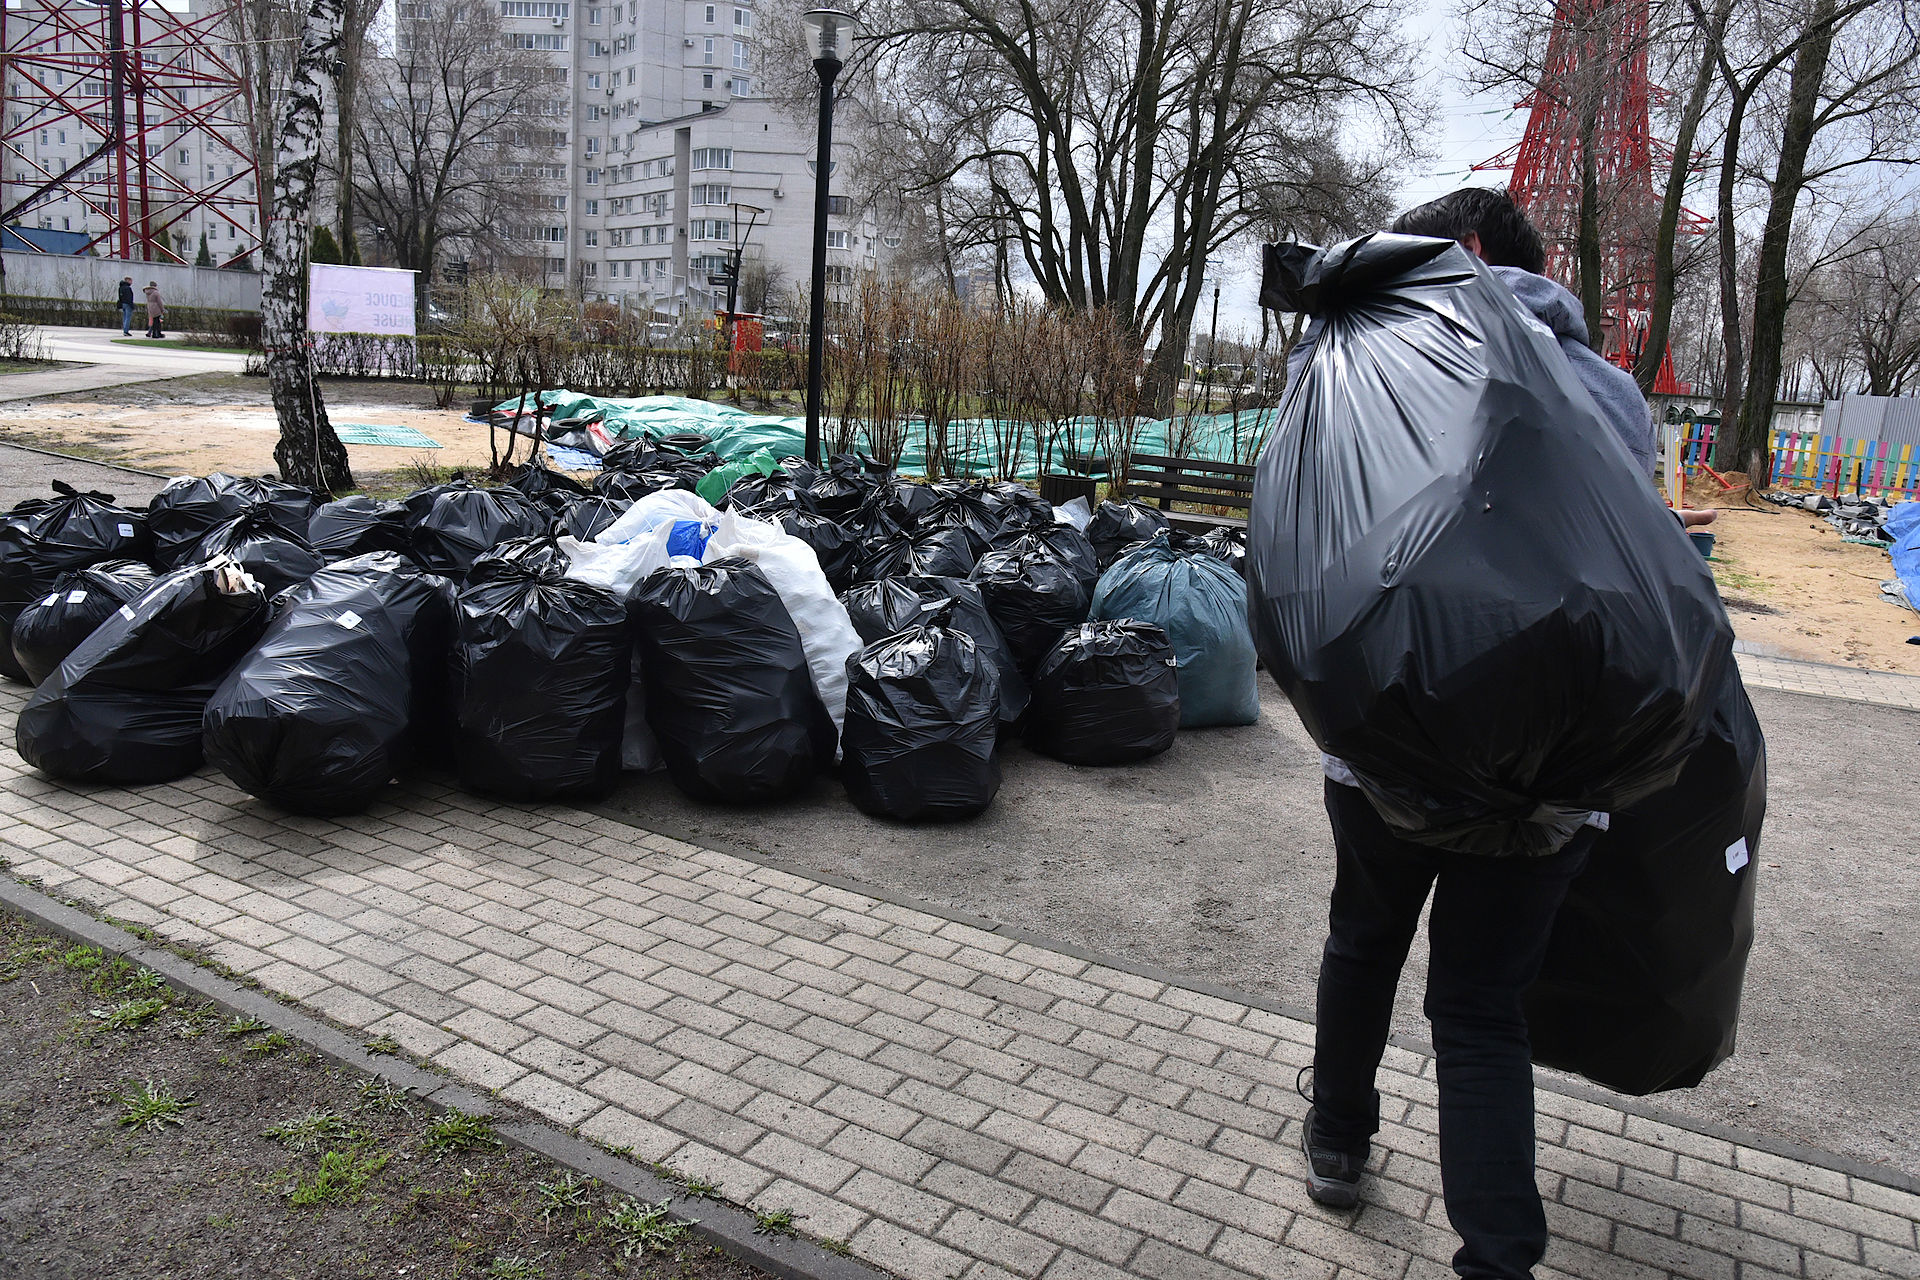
<point x="1852" y="684"/>
<point x="958" y="1104"/>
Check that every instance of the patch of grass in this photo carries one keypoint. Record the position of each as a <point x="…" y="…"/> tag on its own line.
<point x="565" y="1199"/>
<point x="689" y="1184"/>
<point x="384" y="1095"/>
<point x="243" y="1024"/>
<point x="458" y="1131"/>
<point x="842" y="1247"/>
<point x="639" y="1228"/>
<point x="147" y="980"/>
<point x="150" y="1107"/>
<point x="178" y="346"/>
<point x="270" y="1043"/>
<point x="1727" y="576"/>
<point x="108" y="978"/>
<point x="340" y="1179"/>
<point x="419" y="473"/>
<point x="383" y="1044"/>
<point x="83" y="959"/>
<point x="312" y="1131"/>
<point x="515" y="1268"/>
<point x="774" y="1222"/>
<point x="129" y="1015"/>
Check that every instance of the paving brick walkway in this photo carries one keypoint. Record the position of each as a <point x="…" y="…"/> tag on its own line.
<point x="1882" y="688"/>
<point x="954" y="1101"/>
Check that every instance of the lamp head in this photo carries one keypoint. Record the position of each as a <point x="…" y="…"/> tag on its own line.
<point x="830" y="33"/>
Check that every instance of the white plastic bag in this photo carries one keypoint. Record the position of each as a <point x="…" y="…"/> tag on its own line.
<point x="654" y="510"/>
<point x="1076" y="512"/>
<point x="626" y="551"/>
<point x="826" y="633"/>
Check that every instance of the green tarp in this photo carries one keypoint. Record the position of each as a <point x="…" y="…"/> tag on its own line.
<point x="736" y="433"/>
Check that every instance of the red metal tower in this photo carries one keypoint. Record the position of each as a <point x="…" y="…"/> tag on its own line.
<point x="131" y="79"/>
<point x="1596" y="61"/>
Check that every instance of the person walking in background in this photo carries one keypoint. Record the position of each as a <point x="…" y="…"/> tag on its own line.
<point x="126" y="306"/>
<point x="156" y="310"/>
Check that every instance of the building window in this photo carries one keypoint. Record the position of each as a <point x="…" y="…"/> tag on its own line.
<point x="593" y="180"/>
<point x="710" y="193"/>
<point x="706" y="81"/>
<point x="742" y="20"/>
<point x="592" y="209"/>
<point x="707" y="52"/>
<point x="711" y="12"/>
<point x="837" y="205"/>
<point x="552" y="44"/>
<point x="593" y="81"/>
<point x="739" y="55"/>
<point x="839" y="274"/>
<point x="414" y="10"/>
<point x="712" y="158"/>
<point x="742" y="85"/>
<point x="556" y="203"/>
<point x="183" y="154"/>
<point x="593" y="17"/>
<point x="593" y="113"/>
<point x="839" y="240"/>
<point x="593" y="146"/>
<point x="532" y="9"/>
<point x="591" y="239"/>
<point x="556" y="266"/>
<point x="710" y="229"/>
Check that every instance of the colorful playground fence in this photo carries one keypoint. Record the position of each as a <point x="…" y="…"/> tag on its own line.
<point x="1809" y="460"/>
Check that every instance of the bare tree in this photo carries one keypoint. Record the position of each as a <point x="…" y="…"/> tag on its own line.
<point x="455" y="138"/>
<point x="1109" y="147"/>
<point x="309" y="452"/>
<point x="1861" y="319"/>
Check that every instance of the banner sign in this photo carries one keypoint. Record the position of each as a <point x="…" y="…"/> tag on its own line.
<point x="359" y="299"/>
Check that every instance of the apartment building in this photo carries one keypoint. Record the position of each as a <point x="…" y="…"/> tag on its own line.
<point x="675" y="157"/>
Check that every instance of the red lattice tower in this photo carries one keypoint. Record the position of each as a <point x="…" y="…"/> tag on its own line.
<point x="1596" y="55"/>
<point x="122" y="73"/>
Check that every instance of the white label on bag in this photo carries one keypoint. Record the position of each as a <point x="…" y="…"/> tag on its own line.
<point x="126" y="611"/>
<point x="126" y="531"/>
<point x="51" y="600"/>
<point x="349" y="619"/>
<point x="1737" y="855"/>
<point x="74" y="597"/>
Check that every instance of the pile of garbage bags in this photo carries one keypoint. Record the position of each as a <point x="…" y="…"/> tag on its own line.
<point x="745" y="628"/>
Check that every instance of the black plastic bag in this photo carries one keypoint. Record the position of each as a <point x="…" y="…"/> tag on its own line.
<point x="728" y="691"/>
<point x="632" y="455"/>
<point x="1640" y="990"/>
<point x="590" y="516"/>
<point x="540" y="668"/>
<point x="1034" y="592"/>
<point x="949" y="552"/>
<point x="1017" y="507"/>
<point x="276" y="556"/>
<point x="634" y="485"/>
<point x="837" y="550"/>
<point x="81" y="599"/>
<point x="186" y="509"/>
<point x="45" y="537"/>
<point x="1456" y="574"/>
<point x="893" y="503"/>
<point x="1228" y="545"/>
<point x="1117" y="526"/>
<point x="538" y="557"/>
<point x="878" y="609"/>
<point x="1063" y="539"/>
<point x="754" y="489"/>
<point x="461" y="522"/>
<point x="962" y="507"/>
<point x="125" y="706"/>
<point x="342" y="693"/>
<point x="1109" y="693"/>
<point x="357" y="526"/>
<point x="922" y="732"/>
<point x="842" y="489"/>
<point x="551" y="489"/>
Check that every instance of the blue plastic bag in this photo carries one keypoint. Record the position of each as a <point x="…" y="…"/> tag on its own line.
<point x="1201" y="604"/>
<point x="1903" y="526"/>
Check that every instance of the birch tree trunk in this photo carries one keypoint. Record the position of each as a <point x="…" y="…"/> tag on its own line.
<point x="309" y="452"/>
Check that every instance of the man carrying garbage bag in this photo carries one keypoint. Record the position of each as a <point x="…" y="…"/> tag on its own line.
<point x="1496" y="633"/>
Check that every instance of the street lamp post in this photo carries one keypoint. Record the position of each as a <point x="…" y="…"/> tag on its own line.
<point x="733" y="267"/>
<point x="829" y="34"/>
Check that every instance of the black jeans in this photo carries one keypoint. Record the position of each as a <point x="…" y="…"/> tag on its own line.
<point x="1491" y="918"/>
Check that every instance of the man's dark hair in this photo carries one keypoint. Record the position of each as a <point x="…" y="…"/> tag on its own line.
<point x="1507" y="238"/>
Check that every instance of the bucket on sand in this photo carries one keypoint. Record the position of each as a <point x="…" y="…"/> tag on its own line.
<point x="1703" y="540"/>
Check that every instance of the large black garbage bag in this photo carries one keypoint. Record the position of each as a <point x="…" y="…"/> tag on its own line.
<point x="81" y="599"/>
<point x="949" y="552"/>
<point x="342" y="693"/>
<point x="357" y="526"/>
<point x="1228" y="545"/>
<point x="463" y="521"/>
<point x="1018" y="507"/>
<point x="589" y="516"/>
<point x="634" y="485"/>
<point x="125" y="706"/>
<point x="182" y="513"/>
<point x="1063" y="539"/>
<point x="841" y="490"/>
<point x="878" y="609"/>
<point x="962" y="507"/>
<point x="551" y="489"/>
<point x="837" y="550"/>
<point x="538" y="556"/>
<point x="1109" y="693"/>
<point x="1640" y="990"/>
<point x="1117" y="526"/>
<point x="631" y="455"/>
<point x="1035" y="593"/>
<point x="540" y="668"/>
<point x="922" y="735"/>
<point x="754" y="489"/>
<point x="45" y="537"/>
<point x="728" y="691"/>
<point x="893" y="503"/>
<point x="1456" y="574"/>
<point x="275" y="555"/>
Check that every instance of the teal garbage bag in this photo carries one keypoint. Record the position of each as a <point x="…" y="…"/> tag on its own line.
<point x="721" y="478"/>
<point x="1201" y="603"/>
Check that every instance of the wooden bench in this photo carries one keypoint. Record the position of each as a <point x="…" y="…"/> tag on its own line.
<point x="1202" y="482"/>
